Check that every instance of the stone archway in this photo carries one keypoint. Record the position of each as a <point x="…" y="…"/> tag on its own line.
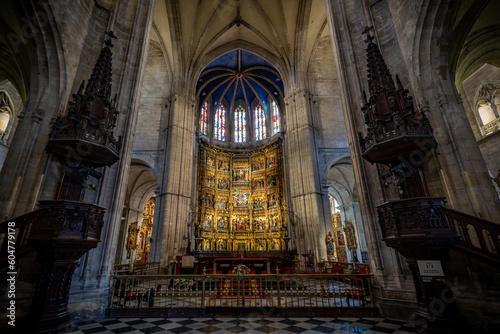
<point x="342" y="187"/>
<point x="138" y="215"/>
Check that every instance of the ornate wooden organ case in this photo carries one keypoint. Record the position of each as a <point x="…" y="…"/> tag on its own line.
<point x="241" y="202"/>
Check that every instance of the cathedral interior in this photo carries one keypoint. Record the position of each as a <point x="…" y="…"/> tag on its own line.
<point x="189" y="137"/>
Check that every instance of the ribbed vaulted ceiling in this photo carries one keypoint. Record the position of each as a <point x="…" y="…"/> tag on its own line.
<point x="193" y="33"/>
<point x="239" y="75"/>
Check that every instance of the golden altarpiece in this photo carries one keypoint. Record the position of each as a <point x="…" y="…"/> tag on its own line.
<point x="241" y="202"/>
<point x="338" y="233"/>
<point x="139" y="236"/>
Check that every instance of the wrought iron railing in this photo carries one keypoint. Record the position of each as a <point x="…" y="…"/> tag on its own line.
<point x="305" y="291"/>
<point x="137" y="268"/>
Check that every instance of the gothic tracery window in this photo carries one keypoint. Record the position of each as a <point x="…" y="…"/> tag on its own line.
<point x="240" y="125"/>
<point x="260" y="122"/>
<point x="249" y="89"/>
<point x="203" y="118"/>
<point x="488" y="105"/>
<point x="5" y="114"/>
<point x="220" y="123"/>
<point x="333" y="205"/>
<point x="276" y="118"/>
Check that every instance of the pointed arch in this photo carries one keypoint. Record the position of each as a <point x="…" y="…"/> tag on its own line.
<point x="240" y="122"/>
<point x="260" y="121"/>
<point x="220" y="121"/>
<point x="276" y="118"/>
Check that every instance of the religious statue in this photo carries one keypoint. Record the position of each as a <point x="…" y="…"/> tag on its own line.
<point x="222" y="184"/>
<point x="258" y="184"/>
<point x="271" y="181"/>
<point x="221" y="246"/>
<point x="330" y="250"/>
<point x="223" y="165"/>
<point x="340" y="238"/>
<point x="240" y="175"/>
<point x="350" y="236"/>
<point x="133" y="231"/>
<point x="241" y="252"/>
<point x="221" y="223"/>
<point x="240" y="224"/>
<point x="240" y="199"/>
<point x="208" y="222"/>
<point x="210" y="161"/>
<point x="271" y="162"/>
<point x="257" y="204"/>
<point x="336" y="220"/>
<point x="274" y="222"/>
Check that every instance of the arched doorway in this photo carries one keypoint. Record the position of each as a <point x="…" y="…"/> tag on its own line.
<point x="347" y="228"/>
<point x="138" y="215"/>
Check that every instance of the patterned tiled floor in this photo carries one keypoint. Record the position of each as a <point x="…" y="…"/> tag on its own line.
<point x="243" y="325"/>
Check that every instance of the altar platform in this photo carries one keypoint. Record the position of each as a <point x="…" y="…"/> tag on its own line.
<point x="259" y="262"/>
<point x="224" y="265"/>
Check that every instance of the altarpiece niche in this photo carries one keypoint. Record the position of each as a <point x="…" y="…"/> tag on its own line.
<point x="241" y="202"/>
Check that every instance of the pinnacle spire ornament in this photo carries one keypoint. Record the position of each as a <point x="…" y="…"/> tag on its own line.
<point x="395" y="136"/>
<point x="85" y="135"/>
<point x="66" y="228"/>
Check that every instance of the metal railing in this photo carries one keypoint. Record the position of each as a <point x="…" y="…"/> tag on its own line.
<point x="234" y="291"/>
<point x="137" y="268"/>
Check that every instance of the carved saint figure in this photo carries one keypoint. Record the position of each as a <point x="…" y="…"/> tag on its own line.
<point x="132" y="238"/>
<point x="329" y="244"/>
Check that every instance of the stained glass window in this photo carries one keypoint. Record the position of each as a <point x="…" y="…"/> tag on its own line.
<point x="203" y="118"/>
<point x="260" y="123"/>
<point x="276" y="118"/>
<point x="220" y="123"/>
<point x="333" y="205"/>
<point x="240" y="125"/>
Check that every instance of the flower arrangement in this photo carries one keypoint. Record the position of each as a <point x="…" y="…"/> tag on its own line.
<point x="183" y="283"/>
<point x="172" y="262"/>
<point x="241" y="269"/>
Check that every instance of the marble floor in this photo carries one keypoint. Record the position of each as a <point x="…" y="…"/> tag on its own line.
<point x="243" y="325"/>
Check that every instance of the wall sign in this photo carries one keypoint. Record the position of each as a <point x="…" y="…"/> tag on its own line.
<point x="430" y="268"/>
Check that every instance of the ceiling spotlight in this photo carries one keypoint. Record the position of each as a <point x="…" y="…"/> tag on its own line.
<point x="277" y="79"/>
<point x="275" y="93"/>
<point x="204" y="93"/>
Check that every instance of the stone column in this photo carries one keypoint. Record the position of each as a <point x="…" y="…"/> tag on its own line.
<point x="175" y="197"/>
<point x="327" y="226"/>
<point x="304" y="183"/>
<point x="155" y="251"/>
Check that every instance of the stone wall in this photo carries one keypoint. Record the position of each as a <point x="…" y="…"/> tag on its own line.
<point x="487" y="144"/>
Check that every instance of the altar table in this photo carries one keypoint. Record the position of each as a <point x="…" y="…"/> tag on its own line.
<point x="244" y="260"/>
